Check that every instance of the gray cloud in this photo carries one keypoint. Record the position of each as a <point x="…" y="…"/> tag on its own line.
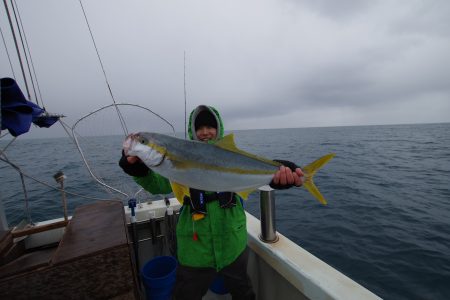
<point x="262" y="63"/>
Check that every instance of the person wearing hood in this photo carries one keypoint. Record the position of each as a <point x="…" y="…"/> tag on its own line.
<point x="211" y="230"/>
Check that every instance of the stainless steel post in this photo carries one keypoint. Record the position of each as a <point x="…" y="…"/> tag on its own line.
<point x="267" y="213"/>
<point x="59" y="178"/>
<point x="3" y="222"/>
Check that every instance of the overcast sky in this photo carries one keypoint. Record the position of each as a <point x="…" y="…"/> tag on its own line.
<point x="262" y="63"/>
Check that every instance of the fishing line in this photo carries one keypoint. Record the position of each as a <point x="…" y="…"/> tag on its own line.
<point x="116" y="107"/>
<point x="121" y="119"/>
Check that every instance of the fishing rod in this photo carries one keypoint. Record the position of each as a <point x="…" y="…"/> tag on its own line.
<point x="185" y="111"/>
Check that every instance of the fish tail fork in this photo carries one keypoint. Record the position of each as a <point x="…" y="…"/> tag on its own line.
<point x="309" y="172"/>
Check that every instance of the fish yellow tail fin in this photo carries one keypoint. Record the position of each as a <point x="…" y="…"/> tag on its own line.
<point x="309" y="172"/>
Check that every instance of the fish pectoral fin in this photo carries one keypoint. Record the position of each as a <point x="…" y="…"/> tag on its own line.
<point x="244" y="194"/>
<point x="179" y="191"/>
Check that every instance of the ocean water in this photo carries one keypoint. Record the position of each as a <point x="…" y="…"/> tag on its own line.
<point x="386" y="225"/>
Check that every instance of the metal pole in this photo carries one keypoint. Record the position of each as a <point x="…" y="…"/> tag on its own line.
<point x="59" y="177"/>
<point x="64" y="202"/>
<point x="3" y="221"/>
<point x="267" y="213"/>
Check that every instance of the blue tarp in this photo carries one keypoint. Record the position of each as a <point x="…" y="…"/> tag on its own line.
<point x="17" y="112"/>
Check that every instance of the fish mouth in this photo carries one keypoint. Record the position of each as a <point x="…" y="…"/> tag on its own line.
<point x="135" y="144"/>
<point x="129" y="142"/>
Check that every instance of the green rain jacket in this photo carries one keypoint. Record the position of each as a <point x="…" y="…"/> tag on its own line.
<point x="221" y="236"/>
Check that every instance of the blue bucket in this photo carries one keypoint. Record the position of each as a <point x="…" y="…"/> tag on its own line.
<point x="218" y="286"/>
<point x="159" y="277"/>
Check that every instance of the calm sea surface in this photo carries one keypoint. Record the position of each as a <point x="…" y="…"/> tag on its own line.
<point x="387" y="224"/>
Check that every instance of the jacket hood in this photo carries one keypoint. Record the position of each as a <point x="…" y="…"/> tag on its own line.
<point x="193" y="116"/>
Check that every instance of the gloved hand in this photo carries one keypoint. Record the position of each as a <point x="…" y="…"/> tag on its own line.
<point x="138" y="169"/>
<point x="290" y="165"/>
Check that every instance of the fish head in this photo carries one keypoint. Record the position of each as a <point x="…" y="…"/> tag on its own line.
<point x="146" y="147"/>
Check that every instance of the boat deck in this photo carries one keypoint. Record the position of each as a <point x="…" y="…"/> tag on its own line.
<point x="92" y="261"/>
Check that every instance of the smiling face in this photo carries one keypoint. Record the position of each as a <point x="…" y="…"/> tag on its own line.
<point x="206" y="133"/>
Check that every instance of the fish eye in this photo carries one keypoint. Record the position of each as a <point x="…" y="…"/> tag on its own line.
<point x="143" y="141"/>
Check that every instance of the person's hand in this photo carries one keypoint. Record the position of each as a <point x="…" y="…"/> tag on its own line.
<point x="133" y="159"/>
<point x="133" y="166"/>
<point x="285" y="177"/>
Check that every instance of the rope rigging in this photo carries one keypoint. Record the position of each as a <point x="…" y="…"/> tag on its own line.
<point x="17" y="48"/>
<point x="33" y="78"/>
<point x="47" y="184"/>
<point x="26" y="52"/>
<point x="75" y="136"/>
<point x="20" y="29"/>
<point x="7" y="52"/>
<point x="19" y="37"/>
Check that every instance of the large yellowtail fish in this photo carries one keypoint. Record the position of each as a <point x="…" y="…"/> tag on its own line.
<point x="218" y="167"/>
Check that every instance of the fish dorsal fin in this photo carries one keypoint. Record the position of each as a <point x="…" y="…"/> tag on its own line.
<point x="227" y="143"/>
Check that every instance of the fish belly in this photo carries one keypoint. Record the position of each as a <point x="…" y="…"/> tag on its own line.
<point x="211" y="180"/>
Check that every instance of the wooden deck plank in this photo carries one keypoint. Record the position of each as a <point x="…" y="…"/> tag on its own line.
<point x="26" y="262"/>
<point x="94" y="228"/>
